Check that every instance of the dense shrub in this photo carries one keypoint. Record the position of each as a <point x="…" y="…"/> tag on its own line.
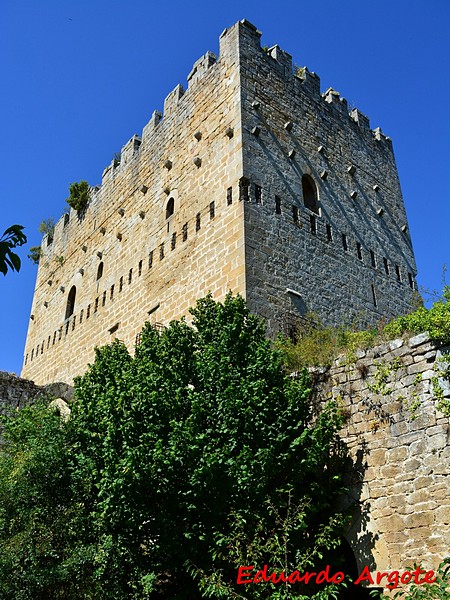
<point x="176" y="465"/>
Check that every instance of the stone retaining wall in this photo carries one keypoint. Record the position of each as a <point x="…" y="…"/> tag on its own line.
<point x="399" y="440"/>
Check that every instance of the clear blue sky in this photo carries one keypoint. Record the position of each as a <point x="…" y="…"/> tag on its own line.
<point x="79" y="78"/>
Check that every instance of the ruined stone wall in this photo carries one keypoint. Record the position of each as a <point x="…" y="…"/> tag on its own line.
<point x="16" y="392"/>
<point x="155" y="265"/>
<point x="399" y="440"/>
<point x="290" y="130"/>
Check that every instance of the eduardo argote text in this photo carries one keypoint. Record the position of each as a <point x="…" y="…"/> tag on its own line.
<point x="389" y="579"/>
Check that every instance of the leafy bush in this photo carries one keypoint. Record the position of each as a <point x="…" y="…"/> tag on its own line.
<point x="41" y="510"/>
<point x="435" y="320"/>
<point x="200" y="430"/>
<point x="440" y="590"/>
<point x="79" y="194"/>
<point x="171" y="461"/>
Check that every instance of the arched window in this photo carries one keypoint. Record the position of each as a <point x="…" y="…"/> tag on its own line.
<point x="70" y="306"/>
<point x="310" y="196"/>
<point x="170" y="208"/>
<point x="100" y="270"/>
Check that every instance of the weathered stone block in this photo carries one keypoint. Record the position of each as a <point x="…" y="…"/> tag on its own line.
<point x="418" y="340"/>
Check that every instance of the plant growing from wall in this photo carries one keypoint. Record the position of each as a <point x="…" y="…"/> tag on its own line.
<point x="79" y="194"/>
<point x="382" y="374"/>
<point x="35" y="254"/>
<point x="47" y="227"/>
<point x="299" y="71"/>
<point x="441" y="379"/>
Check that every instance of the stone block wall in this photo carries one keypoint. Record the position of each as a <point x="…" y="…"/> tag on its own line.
<point x="400" y="442"/>
<point x="351" y="259"/>
<point x="16" y="392"/>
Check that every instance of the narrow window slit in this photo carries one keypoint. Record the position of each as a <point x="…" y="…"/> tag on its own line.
<point x="258" y="194"/>
<point x="277" y="205"/>
<point x="358" y="250"/>
<point x="244" y="189"/>
<point x="374" y="297"/>
<point x="344" y="242"/>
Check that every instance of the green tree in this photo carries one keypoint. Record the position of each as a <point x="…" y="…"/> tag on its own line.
<point x="43" y="550"/>
<point x="201" y="430"/>
<point x="35" y="254"/>
<point x="10" y="239"/>
<point x="177" y="465"/>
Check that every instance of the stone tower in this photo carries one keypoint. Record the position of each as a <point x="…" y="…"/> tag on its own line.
<point x="252" y="181"/>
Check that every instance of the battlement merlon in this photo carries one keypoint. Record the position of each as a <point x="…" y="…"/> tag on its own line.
<point x="130" y="149"/>
<point x="333" y="98"/>
<point x="200" y="67"/>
